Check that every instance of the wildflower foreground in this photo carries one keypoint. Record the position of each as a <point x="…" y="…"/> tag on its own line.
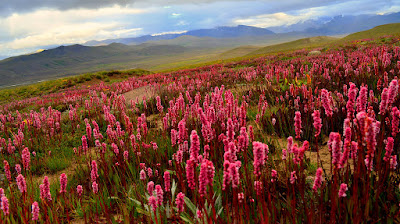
<point x="205" y="150"/>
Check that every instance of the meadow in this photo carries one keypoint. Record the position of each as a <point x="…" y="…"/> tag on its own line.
<point x="280" y="138"/>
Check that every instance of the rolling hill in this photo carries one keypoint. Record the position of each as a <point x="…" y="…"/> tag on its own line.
<point x="309" y="42"/>
<point x="388" y="29"/>
<point x="74" y="59"/>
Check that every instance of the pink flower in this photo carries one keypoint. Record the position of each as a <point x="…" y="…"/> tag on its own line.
<point x="190" y="169"/>
<point x="326" y="102"/>
<point x="7" y="170"/>
<point x="393" y="91"/>
<point x="273" y="121"/>
<point x="234" y="173"/>
<point x="126" y="155"/>
<point x="26" y="158"/>
<point x="142" y="175"/>
<point x="251" y="133"/>
<point x="150" y="187"/>
<point x="317" y="122"/>
<point x="149" y="172"/>
<point x="346" y="153"/>
<point x="384" y="101"/>
<point x="21" y="183"/>
<point x="35" y="211"/>
<point x="297" y="124"/>
<point x="18" y="168"/>
<point x="226" y="175"/>
<point x="63" y="183"/>
<point x="199" y="214"/>
<point x="206" y="176"/>
<point x="293" y="177"/>
<point x="284" y="154"/>
<point x="194" y="146"/>
<point x="115" y="148"/>
<point x="274" y="175"/>
<point x="180" y="202"/>
<point x="334" y="138"/>
<point x="167" y="181"/>
<point x="395" y="121"/>
<point x="342" y="190"/>
<point x="258" y="187"/>
<point x="85" y="146"/>
<point x="4" y="205"/>
<point x="182" y="131"/>
<point x="230" y="132"/>
<point x="362" y="99"/>
<point x="259" y="157"/>
<point x="79" y="190"/>
<point x="352" y="93"/>
<point x="153" y="202"/>
<point x="389" y="149"/>
<point x="95" y="187"/>
<point x="94" y="173"/>
<point x="317" y="180"/>
<point x="46" y="189"/>
<point x="159" y="106"/>
<point x="174" y="135"/>
<point x="393" y="162"/>
<point x="290" y="144"/>
<point x="241" y="197"/>
<point x="160" y="194"/>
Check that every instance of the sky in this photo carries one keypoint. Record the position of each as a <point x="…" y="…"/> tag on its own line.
<point x="30" y="25"/>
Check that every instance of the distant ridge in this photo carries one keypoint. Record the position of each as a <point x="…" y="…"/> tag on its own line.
<point x="218" y="32"/>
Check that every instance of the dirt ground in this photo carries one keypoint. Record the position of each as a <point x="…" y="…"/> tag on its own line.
<point x="139" y="93"/>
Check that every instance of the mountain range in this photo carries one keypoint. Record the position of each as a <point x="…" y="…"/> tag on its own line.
<point x="337" y="25"/>
<point x="154" y="52"/>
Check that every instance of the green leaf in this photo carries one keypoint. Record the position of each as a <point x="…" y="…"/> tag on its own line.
<point x="190" y="205"/>
<point x="138" y="203"/>
<point x="141" y="211"/>
<point x="185" y="217"/>
<point x="173" y="189"/>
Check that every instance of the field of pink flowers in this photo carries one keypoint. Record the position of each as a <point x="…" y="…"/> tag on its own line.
<point x="205" y="148"/>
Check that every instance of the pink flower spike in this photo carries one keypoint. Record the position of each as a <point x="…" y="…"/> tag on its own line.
<point x="95" y="187"/>
<point x="21" y="183"/>
<point x="180" y="202"/>
<point x="317" y="122"/>
<point x="317" y="180"/>
<point x="153" y="203"/>
<point x="167" y="181"/>
<point x="63" y="183"/>
<point x="79" y="190"/>
<point x="293" y="177"/>
<point x="35" y="211"/>
<point x="4" y="205"/>
<point x="297" y="124"/>
<point x="150" y="187"/>
<point x="342" y="190"/>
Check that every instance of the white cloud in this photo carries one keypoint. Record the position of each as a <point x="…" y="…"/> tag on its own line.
<point x="279" y="19"/>
<point x="170" y="32"/>
<point x="392" y="9"/>
<point x="175" y="14"/>
<point x="53" y="27"/>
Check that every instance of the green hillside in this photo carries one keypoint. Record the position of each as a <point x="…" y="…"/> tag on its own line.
<point x="310" y="42"/>
<point x="379" y="31"/>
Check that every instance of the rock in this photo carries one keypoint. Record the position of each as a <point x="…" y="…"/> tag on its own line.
<point x="314" y="53"/>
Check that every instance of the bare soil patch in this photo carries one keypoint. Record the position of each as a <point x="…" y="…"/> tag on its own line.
<point x="140" y="93"/>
